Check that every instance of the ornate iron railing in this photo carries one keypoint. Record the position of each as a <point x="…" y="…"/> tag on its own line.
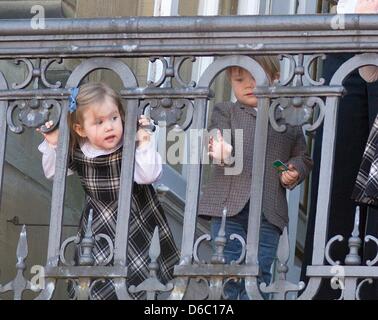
<point x="234" y="41"/>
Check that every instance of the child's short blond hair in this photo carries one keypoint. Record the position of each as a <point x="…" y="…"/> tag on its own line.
<point x="270" y="64"/>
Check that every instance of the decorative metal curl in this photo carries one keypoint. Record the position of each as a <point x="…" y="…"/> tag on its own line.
<point x="21" y="104"/>
<point x="111" y="249"/>
<point x="62" y="251"/>
<point x="311" y="102"/>
<point x="375" y="260"/>
<point x="91" y="287"/>
<point x="29" y="76"/>
<point x="164" y="72"/>
<point x="277" y="104"/>
<point x="36" y="72"/>
<point x="44" y="66"/>
<point x="85" y="247"/>
<point x="207" y="237"/>
<point x="204" y="237"/>
<point x="328" y="247"/>
<point x="291" y="70"/>
<point x="170" y="69"/>
<point x="307" y="66"/>
<point x="294" y="107"/>
<point x="296" y="111"/>
<point x="169" y="111"/>
<point x="299" y="71"/>
<point x="177" y="67"/>
<point x="235" y="236"/>
<point x="33" y="114"/>
<point x="369" y="280"/>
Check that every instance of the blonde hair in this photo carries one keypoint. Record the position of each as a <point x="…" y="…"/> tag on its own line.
<point x="270" y="64"/>
<point x="90" y="94"/>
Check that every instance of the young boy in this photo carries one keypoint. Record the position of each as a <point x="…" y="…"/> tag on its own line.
<point x="233" y="191"/>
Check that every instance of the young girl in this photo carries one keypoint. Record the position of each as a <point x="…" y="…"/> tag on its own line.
<point x="96" y="127"/>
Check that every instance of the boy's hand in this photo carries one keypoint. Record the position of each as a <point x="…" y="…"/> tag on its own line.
<point x="289" y="177"/>
<point x="51" y="137"/>
<point x="143" y="136"/>
<point x="219" y="149"/>
<point x="367" y="6"/>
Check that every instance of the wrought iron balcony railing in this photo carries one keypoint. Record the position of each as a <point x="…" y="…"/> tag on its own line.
<point x="101" y="43"/>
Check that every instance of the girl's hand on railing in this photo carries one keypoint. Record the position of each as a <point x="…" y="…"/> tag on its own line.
<point x="51" y="137"/>
<point x="143" y="136"/>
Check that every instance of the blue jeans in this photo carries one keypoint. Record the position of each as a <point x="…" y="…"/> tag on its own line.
<point x="269" y="237"/>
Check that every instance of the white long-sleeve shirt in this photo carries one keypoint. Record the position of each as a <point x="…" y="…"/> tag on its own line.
<point x="148" y="163"/>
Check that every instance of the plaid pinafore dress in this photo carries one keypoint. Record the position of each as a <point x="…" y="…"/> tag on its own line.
<point x="100" y="178"/>
<point x="366" y="187"/>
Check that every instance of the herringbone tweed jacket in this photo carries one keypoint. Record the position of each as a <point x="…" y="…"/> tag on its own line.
<point x="233" y="191"/>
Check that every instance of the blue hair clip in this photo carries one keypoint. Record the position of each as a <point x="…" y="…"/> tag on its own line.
<point x="74" y="92"/>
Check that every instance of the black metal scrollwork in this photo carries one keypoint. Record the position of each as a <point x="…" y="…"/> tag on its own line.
<point x="295" y="108"/>
<point x="169" y="111"/>
<point x="33" y="114"/>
